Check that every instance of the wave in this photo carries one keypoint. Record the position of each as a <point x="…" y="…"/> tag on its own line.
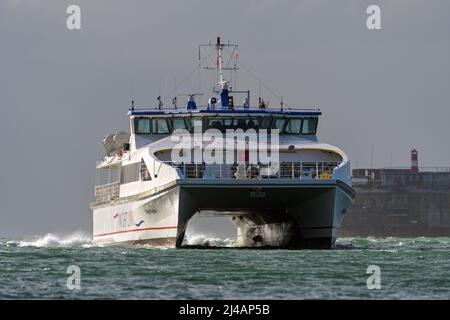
<point x="395" y="244"/>
<point x="208" y="241"/>
<point x="77" y="239"/>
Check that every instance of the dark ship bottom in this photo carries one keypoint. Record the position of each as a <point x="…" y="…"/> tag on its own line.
<point x="285" y="214"/>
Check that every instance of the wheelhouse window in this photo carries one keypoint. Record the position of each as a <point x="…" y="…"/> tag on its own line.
<point x="309" y="126"/>
<point x="178" y="123"/>
<point x="279" y="124"/>
<point x="224" y="124"/>
<point x="160" y="126"/>
<point x="285" y="125"/>
<point x="218" y="123"/>
<point x="142" y="125"/>
<point x="193" y="123"/>
<point x="293" y="126"/>
<point x="265" y="123"/>
<point x="228" y="123"/>
<point x="247" y="123"/>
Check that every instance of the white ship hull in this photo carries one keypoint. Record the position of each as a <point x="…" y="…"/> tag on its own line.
<point x="282" y="214"/>
<point x="152" y="219"/>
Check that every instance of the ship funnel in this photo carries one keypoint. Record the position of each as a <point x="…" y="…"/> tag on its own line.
<point x="414" y="161"/>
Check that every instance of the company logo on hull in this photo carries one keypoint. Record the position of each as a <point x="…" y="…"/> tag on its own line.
<point x="139" y="223"/>
<point x="125" y="219"/>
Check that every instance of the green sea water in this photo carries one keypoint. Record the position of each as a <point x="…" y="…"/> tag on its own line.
<point x="409" y="269"/>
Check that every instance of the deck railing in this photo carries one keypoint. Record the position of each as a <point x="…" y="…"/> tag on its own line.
<point x="284" y="170"/>
<point x="107" y="191"/>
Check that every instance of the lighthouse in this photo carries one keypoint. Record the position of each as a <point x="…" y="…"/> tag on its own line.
<point x="414" y="161"/>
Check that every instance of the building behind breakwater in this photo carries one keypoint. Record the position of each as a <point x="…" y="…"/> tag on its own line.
<point x="400" y="202"/>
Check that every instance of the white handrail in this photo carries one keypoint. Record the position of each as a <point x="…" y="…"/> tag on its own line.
<point x="285" y="170"/>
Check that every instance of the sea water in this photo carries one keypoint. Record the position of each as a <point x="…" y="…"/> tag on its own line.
<point x="42" y="268"/>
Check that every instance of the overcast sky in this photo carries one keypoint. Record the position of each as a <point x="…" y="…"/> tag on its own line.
<point x="62" y="90"/>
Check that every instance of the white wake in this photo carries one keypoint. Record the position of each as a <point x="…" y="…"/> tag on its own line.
<point x="208" y="240"/>
<point x="53" y="240"/>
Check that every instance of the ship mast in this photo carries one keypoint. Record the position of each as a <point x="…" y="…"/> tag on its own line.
<point x="226" y="101"/>
<point x="224" y="93"/>
<point x="219" y="48"/>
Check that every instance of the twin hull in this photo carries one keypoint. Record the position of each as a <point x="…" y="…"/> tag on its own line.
<point x="282" y="213"/>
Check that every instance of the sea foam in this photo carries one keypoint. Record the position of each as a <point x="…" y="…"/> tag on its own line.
<point x="208" y="240"/>
<point x="53" y="240"/>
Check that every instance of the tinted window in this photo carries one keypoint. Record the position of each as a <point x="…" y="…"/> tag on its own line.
<point x="194" y="123"/>
<point x="221" y="124"/>
<point x="216" y="124"/>
<point x="178" y="123"/>
<point x="247" y="123"/>
<point x="241" y="123"/>
<point x="142" y="125"/>
<point x="160" y="126"/>
<point x="309" y="126"/>
<point x="252" y="124"/>
<point x="266" y="123"/>
<point x="278" y="124"/>
<point x="293" y="126"/>
<point x="229" y="123"/>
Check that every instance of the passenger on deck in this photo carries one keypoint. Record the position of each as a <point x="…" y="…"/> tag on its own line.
<point x="326" y="174"/>
<point x="262" y="104"/>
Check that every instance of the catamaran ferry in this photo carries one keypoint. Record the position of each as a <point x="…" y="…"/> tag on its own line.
<point x="149" y="186"/>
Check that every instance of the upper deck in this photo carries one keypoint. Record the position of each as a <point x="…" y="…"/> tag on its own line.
<point x="205" y="110"/>
<point x="222" y="110"/>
